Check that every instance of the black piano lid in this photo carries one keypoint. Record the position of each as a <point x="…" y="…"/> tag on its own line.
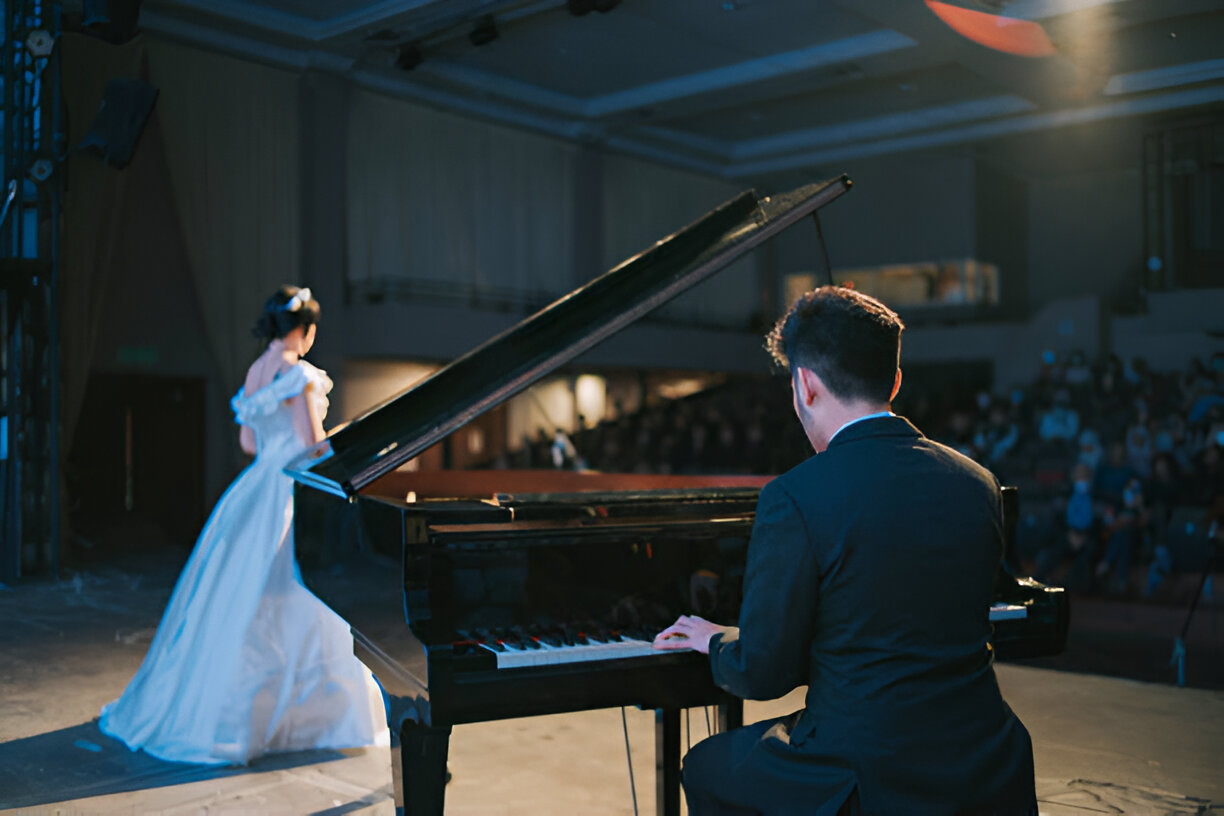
<point x="392" y="433"/>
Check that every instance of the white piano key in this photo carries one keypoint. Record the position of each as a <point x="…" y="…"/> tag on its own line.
<point x="547" y="655"/>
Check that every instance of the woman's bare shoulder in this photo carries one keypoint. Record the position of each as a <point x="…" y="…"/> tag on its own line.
<point x="268" y="367"/>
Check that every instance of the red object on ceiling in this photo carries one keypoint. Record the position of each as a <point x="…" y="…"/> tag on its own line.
<point x="1007" y="34"/>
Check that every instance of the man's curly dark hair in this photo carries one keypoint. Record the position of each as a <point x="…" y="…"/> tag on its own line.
<point x="850" y="340"/>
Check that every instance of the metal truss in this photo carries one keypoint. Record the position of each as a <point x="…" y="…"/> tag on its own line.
<point x="29" y="224"/>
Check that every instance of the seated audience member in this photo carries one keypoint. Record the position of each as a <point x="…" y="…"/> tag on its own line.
<point x="1166" y="489"/>
<point x="1136" y="373"/>
<point x="1089" y="450"/>
<point x="1207" y="481"/>
<point x="1079" y="380"/>
<point x="1078" y="373"/>
<point x="1203" y="406"/>
<point x="1113" y="474"/>
<point x="1061" y="422"/>
<point x="1196" y="381"/>
<point x="1125" y="535"/>
<point x="1110" y="411"/>
<point x="997" y="437"/>
<point x="1139" y="448"/>
<point x="1078" y="542"/>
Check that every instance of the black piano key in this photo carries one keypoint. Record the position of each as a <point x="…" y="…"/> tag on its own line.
<point x="522" y="638"/>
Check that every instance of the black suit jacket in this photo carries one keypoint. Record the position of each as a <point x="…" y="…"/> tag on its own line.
<point x="870" y="576"/>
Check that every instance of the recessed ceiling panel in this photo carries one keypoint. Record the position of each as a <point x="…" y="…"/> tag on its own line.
<point x="759" y="27"/>
<point x="642" y="43"/>
<point x="318" y="10"/>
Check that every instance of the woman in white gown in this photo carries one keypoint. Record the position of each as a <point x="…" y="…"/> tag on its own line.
<point x="246" y="661"/>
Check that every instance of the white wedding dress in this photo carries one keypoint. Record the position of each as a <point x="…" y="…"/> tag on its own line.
<point x="246" y="660"/>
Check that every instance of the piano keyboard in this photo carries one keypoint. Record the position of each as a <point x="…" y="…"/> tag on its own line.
<point x="512" y="656"/>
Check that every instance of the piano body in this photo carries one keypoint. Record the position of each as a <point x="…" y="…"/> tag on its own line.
<point x="482" y="595"/>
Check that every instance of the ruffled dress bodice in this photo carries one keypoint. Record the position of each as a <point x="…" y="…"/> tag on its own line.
<point x="266" y="411"/>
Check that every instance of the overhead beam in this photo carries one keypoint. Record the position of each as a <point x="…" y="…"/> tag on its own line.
<point x="986" y="130"/>
<point x="705" y="84"/>
<point x="748" y="72"/>
<point x="414" y="20"/>
<point x="1171" y="76"/>
<point x="876" y="127"/>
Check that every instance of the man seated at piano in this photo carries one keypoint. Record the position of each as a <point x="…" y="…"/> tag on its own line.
<point x="871" y="570"/>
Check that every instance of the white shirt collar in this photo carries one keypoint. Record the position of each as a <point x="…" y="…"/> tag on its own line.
<point x="876" y="415"/>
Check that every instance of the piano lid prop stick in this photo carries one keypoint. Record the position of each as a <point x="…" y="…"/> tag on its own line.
<point x="824" y="249"/>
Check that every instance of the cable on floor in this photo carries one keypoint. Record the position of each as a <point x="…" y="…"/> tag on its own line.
<point x="629" y="760"/>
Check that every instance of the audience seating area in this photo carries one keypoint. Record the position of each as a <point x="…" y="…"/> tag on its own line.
<point x="1119" y="466"/>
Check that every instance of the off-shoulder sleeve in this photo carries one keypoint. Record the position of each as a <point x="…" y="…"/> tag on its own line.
<point x="265" y="400"/>
<point x="321" y="387"/>
<point x="318" y="377"/>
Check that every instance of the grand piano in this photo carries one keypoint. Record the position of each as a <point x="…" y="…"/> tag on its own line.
<point x="482" y="595"/>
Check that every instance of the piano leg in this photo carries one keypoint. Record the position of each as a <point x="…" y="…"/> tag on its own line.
<point x="418" y="768"/>
<point x="730" y="714"/>
<point x="667" y="761"/>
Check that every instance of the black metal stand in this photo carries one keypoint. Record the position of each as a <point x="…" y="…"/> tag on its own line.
<point x="1179" y="645"/>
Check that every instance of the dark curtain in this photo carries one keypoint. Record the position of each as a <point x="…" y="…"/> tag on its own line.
<point x="92" y="212"/>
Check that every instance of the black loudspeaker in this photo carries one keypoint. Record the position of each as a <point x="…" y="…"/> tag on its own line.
<point x="121" y="119"/>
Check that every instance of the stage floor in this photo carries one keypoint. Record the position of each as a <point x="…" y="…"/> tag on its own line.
<point x="1103" y="744"/>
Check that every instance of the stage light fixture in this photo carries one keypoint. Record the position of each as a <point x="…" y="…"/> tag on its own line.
<point x="484" y="31"/>
<point x="1010" y="35"/>
<point x="40" y="43"/>
<point x="408" y="57"/>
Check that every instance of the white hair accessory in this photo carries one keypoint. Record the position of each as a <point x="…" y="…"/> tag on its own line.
<point x="299" y="300"/>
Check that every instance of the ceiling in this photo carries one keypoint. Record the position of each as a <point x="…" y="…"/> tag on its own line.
<point x="743" y="89"/>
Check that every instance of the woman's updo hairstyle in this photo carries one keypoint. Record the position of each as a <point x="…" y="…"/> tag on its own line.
<point x="287" y="309"/>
